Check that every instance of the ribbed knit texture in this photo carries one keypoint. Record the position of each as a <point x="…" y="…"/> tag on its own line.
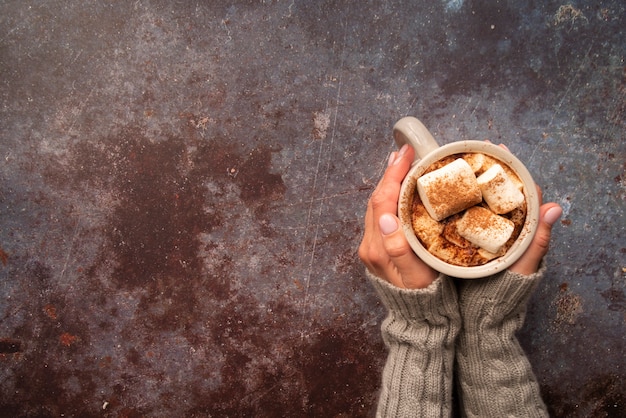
<point x="419" y="332"/>
<point x="494" y="376"/>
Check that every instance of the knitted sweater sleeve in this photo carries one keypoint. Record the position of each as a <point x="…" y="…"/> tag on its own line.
<point x="495" y="378"/>
<point x="419" y="332"/>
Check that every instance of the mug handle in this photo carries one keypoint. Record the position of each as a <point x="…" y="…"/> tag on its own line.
<point x="410" y="130"/>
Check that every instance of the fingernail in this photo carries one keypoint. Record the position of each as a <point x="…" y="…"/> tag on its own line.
<point x="401" y="153"/>
<point x="392" y="157"/>
<point x="505" y="147"/>
<point x="553" y="215"/>
<point x="388" y="224"/>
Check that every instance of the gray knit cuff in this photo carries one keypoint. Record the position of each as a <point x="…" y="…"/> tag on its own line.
<point x="535" y="276"/>
<point x="419" y="332"/>
<point x="416" y="305"/>
<point x="501" y="295"/>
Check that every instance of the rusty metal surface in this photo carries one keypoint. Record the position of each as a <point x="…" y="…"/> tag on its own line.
<point x="183" y="187"/>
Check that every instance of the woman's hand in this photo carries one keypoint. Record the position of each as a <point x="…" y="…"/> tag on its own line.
<point x="529" y="262"/>
<point x="549" y="213"/>
<point x="384" y="249"/>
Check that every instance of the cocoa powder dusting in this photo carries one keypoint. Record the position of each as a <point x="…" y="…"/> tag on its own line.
<point x="449" y="190"/>
<point x="499" y="181"/>
<point x="481" y="219"/>
<point x="451" y="247"/>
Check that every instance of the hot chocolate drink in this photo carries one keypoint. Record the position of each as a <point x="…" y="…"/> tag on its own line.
<point x="469" y="209"/>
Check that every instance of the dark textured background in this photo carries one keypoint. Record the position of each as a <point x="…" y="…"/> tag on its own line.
<point x="183" y="186"/>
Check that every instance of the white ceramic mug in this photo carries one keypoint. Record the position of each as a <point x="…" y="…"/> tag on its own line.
<point x="411" y="131"/>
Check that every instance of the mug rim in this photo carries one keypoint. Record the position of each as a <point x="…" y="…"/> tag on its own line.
<point x="408" y="189"/>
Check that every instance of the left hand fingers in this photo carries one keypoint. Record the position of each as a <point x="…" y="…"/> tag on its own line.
<point x="384" y="199"/>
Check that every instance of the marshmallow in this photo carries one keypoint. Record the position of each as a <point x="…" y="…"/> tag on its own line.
<point x="490" y="161"/>
<point x="475" y="160"/>
<point x="451" y="234"/>
<point x="499" y="192"/>
<point x="485" y="229"/>
<point x="449" y="189"/>
<point x="425" y="227"/>
<point x="466" y="257"/>
<point x="450" y="253"/>
<point x="486" y="255"/>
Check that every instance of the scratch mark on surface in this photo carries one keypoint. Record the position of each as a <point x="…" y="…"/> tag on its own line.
<point x="322" y="200"/>
<point x="69" y="251"/>
<point x="225" y="24"/>
<point x="566" y="94"/>
<point x="615" y="111"/>
<point x="357" y="191"/>
<point x="81" y="107"/>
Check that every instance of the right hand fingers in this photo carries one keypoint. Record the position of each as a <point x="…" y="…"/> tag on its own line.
<point x="529" y="262"/>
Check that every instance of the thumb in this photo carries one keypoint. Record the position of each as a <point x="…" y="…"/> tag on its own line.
<point x="529" y="262"/>
<point x="408" y="270"/>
